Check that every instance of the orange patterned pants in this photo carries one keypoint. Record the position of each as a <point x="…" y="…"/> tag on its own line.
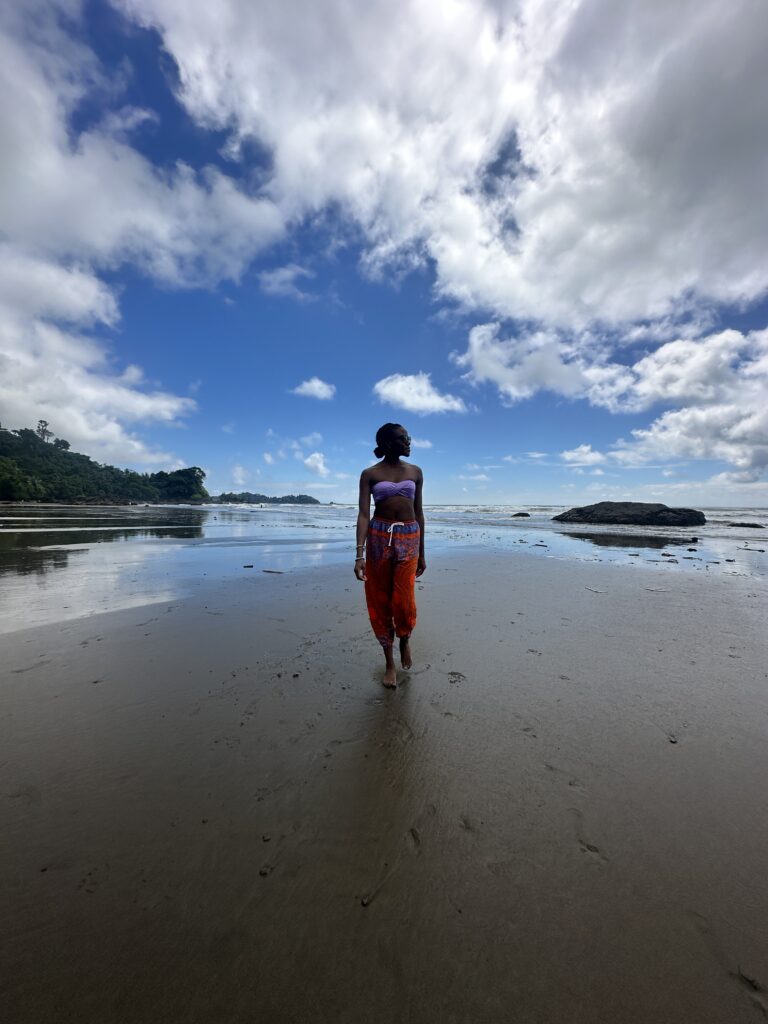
<point x="392" y="555"/>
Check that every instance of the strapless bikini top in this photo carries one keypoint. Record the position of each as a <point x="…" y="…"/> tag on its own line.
<point x="385" y="489"/>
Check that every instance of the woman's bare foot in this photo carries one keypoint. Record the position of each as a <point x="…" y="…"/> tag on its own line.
<point x="390" y="673"/>
<point x="405" y="652"/>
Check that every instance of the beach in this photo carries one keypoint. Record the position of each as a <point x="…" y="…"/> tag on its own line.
<point x="214" y="812"/>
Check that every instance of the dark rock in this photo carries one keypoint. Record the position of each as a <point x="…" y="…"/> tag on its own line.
<point x="521" y="515"/>
<point x="632" y="513"/>
<point x="752" y="526"/>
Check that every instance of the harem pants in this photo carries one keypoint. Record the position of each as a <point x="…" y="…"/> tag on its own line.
<point x="392" y="555"/>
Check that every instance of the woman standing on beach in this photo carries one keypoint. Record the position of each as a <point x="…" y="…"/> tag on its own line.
<point x="395" y="543"/>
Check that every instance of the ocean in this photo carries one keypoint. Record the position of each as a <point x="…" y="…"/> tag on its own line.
<point x="59" y="562"/>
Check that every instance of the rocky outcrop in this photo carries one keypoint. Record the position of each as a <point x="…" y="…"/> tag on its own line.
<point x="751" y="526"/>
<point x="632" y="513"/>
<point x="521" y="515"/>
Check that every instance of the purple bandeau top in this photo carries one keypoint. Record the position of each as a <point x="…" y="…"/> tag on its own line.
<point x="386" y="489"/>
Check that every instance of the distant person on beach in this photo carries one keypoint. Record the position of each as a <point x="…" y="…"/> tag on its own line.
<point x="393" y="542"/>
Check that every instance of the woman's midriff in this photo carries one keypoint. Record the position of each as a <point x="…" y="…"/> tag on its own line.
<point x="397" y="508"/>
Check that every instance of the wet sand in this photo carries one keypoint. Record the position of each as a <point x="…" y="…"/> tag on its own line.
<point x="213" y="812"/>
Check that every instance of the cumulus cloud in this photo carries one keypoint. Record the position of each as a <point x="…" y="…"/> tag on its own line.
<point x="316" y="463"/>
<point x="578" y="168"/>
<point x="447" y="138"/>
<point x="74" y="205"/>
<point x="269" y="458"/>
<point x="239" y="475"/>
<point x="543" y="360"/>
<point x="315" y="388"/>
<point x="592" y="171"/>
<point x="723" y="380"/>
<point x="420" y="442"/>
<point x="582" y="455"/>
<point x="95" y="197"/>
<point x="716" y="386"/>
<point x="416" y="393"/>
<point x="50" y="370"/>
<point x="282" y="281"/>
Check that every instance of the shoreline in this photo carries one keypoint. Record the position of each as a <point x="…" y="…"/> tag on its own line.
<point x="214" y="811"/>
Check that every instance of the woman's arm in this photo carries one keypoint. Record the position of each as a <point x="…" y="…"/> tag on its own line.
<point x="363" y="521"/>
<point x="420" y="520"/>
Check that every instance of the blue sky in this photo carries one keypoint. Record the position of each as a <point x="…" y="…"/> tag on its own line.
<point x="244" y="236"/>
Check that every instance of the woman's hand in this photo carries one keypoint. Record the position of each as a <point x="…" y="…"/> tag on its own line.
<point x="421" y="565"/>
<point x="360" y="570"/>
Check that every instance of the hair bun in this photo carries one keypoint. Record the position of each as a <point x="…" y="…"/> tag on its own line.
<point x="378" y="452"/>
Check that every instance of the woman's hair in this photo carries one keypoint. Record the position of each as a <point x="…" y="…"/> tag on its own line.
<point x="384" y="437"/>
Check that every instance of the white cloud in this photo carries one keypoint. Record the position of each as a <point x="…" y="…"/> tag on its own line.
<point x="520" y="366"/>
<point x="563" y="163"/>
<point x="316" y="463"/>
<point x="718" y="382"/>
<point x="417" y="442"/>
<point x="95" y="197"/>
<point x="311" y="440"/>
<point x="239" y="475"/>
<point x="72" y="206"/>
<point x="269" y="458"/>
<point x="416" y="393"/>
<point x="701" y="370"/>
<point x="582" y="455"/>
<point x="34" y="287"/>
<point x="567" y="166"/>
<point x="524" y="457"/>
<point x="49" y="371"/>
<point x="723" y="380"/>
<point x="282" y="281"/>
<point x="315" y="388"/>
<point x="475" y="476"/>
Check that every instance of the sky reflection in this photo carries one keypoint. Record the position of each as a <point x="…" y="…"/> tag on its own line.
<point x="61" y="562"/>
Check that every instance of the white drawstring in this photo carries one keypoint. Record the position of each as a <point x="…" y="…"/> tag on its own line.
<point x="390" y="528"/>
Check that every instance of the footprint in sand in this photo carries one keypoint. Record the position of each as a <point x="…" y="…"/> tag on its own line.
<point x="743" y="977"/>
<point x="467" y="823"/>
<point x="456" y="677"/>
<point x="586" y="847"/>
<point x="592" y="849"/>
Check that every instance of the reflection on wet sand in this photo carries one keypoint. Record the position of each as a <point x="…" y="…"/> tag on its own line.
<point x="628" y="540"/>
<point x="11" y="540"/>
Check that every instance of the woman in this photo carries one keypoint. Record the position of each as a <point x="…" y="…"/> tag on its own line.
<point x="395" y="543"/>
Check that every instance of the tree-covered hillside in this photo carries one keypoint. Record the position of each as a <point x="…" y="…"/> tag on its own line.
<point x="248" y="497"/>
<point x="35" y="468"/>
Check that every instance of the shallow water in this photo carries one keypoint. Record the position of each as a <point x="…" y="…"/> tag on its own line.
<point x="61" y="562"/>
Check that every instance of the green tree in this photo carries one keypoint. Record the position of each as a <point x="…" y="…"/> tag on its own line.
<point x="42" y="430"/>
<point x="32" y="470"/>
